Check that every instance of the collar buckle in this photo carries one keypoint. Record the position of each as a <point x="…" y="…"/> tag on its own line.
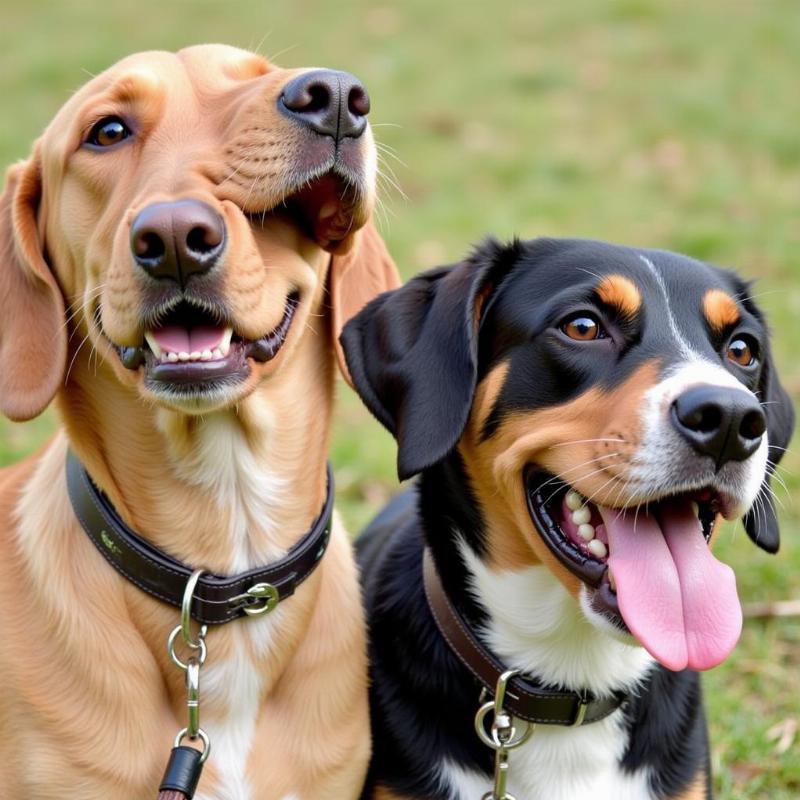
<point x="580" y="711"/>
<point x="265" y="592"/>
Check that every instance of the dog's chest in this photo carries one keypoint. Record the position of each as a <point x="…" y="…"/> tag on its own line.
<point x="560" y="764"/>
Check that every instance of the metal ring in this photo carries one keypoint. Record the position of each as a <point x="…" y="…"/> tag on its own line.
<point x="494" y="742"/>
<point x="174" y="656"/>
<point x="203" y="736"/>
<point x="186" y="612"/>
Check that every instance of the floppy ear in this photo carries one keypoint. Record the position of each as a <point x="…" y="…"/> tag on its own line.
<point x="33" y="339"/>
<point x="761" y="522"/>
<point x="364" y="272"/>
<point x="412" y="354"/>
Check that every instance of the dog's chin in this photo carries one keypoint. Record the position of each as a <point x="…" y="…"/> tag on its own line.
<point x="193" y="362"/>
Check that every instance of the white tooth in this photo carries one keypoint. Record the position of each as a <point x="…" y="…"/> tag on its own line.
<point x="164" y="359"/>
<point x="612" y="581"/>
<point x="574" y="500"/>
<point x="183" y="356"/>
<point x="225" y="343"/>
<point x="172" y="357"/>
<point x="695" y="508"/>
<point x="597" y="548"/>
<point x="586" y="532"/>
<point x="153" y="344"/>
<point x="206" y="355"/>
<point x="217" y="353"/>
<point x="195" y="355"/>
<point x="581" y="516"/>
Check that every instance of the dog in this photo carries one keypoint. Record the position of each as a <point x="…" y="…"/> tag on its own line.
<point x="179" y="254"/>
<point x="581" y="416"/>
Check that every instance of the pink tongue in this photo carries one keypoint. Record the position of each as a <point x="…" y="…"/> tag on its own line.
<point x="675" y="597"/>
<point x="175" y="339"/>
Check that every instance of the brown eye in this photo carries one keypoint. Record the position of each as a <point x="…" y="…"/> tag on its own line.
<point x="107" y="132"/>
<point x="583" y="328"/>
<point x="742" y="351"/>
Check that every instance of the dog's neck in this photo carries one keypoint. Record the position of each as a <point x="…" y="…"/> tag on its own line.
<point x="525" y="616"/>
<point x="226" y="491"/>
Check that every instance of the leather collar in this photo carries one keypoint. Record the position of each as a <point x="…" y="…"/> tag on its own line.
<point x="524" y="698"/>
<point x="217" y="598"/>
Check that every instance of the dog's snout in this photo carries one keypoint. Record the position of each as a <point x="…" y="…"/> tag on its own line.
<point x="177" y="240"/>
<point x="331" y="103"/>
<point x="724" y="423"/>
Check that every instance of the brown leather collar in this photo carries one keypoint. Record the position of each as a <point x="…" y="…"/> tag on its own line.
<point x="217" y="598"/>
<point x="524" y="699"/>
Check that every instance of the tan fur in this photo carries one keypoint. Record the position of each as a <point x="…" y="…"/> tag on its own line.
<point x="720" y="310"/>
<point x="382" y="793"/>
<point x="555" y="439"/>
<point x="620" y="293"/>
<point x="697" y="791"/>
<point x="89" y="701"/>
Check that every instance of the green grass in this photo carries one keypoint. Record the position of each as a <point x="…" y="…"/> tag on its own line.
<point x="669" y="124"/>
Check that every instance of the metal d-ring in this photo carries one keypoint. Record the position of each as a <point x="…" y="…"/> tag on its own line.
<point x="503" y="732"/>
<point x="186" y="612"/>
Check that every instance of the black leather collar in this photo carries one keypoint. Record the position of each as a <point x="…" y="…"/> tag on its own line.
<point x="217" y="598"/>
<point x="525" y="697"/>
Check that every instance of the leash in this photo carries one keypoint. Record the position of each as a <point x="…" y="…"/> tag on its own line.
<point x="520" y="703"/>
<point x="203" y="596"/>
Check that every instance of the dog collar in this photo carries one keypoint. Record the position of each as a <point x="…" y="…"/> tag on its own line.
<point x="217" y="598"/>
<point x="523" y="698"/>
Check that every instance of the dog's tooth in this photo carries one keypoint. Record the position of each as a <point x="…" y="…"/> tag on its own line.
<point x="151" y="340"/>
<point x="581" y="516"/>
<point x="586" y="532"/>
<point x="183" y="356"/>
<point x="224" y="345"/>
<point x="217" y="353"/>
<point x="172" y="357"/>
<point x="574" y="500"/>
<point x="194" y="355"/>
<point x="695" y="508"/>
<point x="206" y="355"/>
<point x="597" y="548"/>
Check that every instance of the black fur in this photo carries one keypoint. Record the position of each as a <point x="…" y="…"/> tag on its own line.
<point x="416" y="356"/>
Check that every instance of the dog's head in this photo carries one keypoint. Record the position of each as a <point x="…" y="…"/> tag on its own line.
<point x="189" y="212"/>
<point x="607" y="406"/>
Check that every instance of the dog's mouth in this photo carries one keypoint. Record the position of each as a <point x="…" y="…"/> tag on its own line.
<point x="191" y="350"/>
<point x="648" y="568"/>
<point x="326" y="208"/>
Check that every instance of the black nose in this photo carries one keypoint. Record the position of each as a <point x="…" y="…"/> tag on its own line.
<point x="725" y="424"/>
<point x="331" y="103"/>
<point x="177" y="240"/>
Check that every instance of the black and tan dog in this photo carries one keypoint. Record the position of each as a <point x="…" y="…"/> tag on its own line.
<point x="581" y="415"/>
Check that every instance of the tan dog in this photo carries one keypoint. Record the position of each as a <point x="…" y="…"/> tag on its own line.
<point x="193" y="197"/>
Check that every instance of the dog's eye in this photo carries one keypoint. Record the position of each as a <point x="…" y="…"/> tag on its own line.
<point x="107" y="132"/>
<point x="743" y="351"/>
<point x="583" y="328"/>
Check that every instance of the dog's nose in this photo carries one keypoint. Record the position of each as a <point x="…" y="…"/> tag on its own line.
<point x="177" y="240"/>
<point x="726" y="424"/>
<point x="331" y="103"/>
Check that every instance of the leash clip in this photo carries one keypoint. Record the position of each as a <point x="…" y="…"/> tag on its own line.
<point x="502" y="737"/>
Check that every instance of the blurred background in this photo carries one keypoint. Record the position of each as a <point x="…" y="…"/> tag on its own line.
<point x="669" y="124"/>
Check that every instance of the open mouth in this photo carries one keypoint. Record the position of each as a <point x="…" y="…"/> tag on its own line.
<point x="648" y="568"/>
<point x="190" y="349"/>
<point x="324" y="208"/>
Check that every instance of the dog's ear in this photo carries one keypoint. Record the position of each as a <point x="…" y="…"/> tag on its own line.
<point x="412" y="355"/>
<point x="363" y="273"/>
<point x="761" y="522"/>
<point x="33" y="339"/>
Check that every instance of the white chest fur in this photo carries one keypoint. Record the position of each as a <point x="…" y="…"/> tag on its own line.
<point x="536" y="626"/>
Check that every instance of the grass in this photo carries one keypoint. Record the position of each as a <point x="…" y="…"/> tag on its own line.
<point x="669" y="124"/>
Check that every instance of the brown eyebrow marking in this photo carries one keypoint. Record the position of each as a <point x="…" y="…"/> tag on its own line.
<point x="621" y="293"/>
<point x="720" y="310"/>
